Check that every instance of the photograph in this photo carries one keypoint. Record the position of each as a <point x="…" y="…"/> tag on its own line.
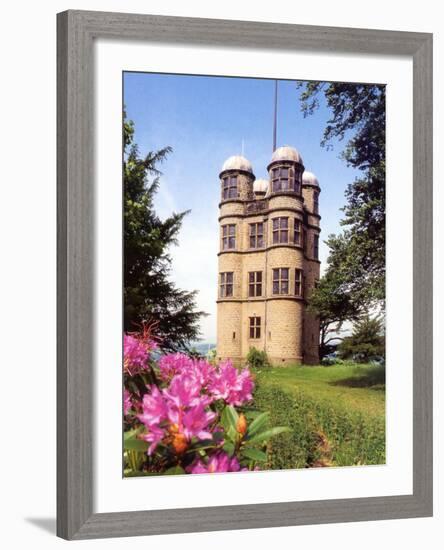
<point x="222" y="275"/>
<point x="254" y="285"/>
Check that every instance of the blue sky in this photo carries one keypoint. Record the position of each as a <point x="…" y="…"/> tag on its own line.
<point x="205" y="120"/>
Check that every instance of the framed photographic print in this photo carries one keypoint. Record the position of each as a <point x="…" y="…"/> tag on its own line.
<point x="244" y="275"/>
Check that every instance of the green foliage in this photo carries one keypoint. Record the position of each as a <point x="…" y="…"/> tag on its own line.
<point x="211" y="356"/>
<point x="336" y="415"/>
<point x="333" y="305"/>
<point x="257" y="358"/>
<point x="366" y="341"/>
<point x="148" y="292"/>
<point x="194" y="353"/>
<point x="321" y="433"/>
<point x="329" y="360"/>
<point x="349" y="386"/>
<point x="357" y="110"/>
<point x="247" y="435"/>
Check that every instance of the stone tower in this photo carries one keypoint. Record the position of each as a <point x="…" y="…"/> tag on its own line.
<point x="268" y="260"/>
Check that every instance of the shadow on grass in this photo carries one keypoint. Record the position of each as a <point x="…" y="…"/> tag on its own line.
<point x="370" y="377"/>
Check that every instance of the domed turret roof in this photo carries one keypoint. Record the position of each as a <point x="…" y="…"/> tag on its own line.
<point x="308" y="178"/>
<point x="260" y="186"/>
<point x="237" y="162"/>
<point x="286" y="153"/>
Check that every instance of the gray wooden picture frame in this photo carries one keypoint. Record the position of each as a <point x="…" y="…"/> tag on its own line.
<point x="76" y="32"/>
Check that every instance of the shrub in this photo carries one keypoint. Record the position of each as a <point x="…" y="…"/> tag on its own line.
<point x="257" y="358"/>
<point x="183" y="415"/>
<point x="332" y="359"/>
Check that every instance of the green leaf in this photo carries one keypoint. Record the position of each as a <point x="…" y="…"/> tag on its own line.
<point x="258" y="424"/>
<point x="251" y="414"/>
<point x="229" y="418"/>
<point x="132" y="443"/>
<point x="255" y="454"/>
<point x="268" y="434"/>
<point x="175" y="470"/>
<point x="136" y="445"/>
<point x="201" y="445"/>
<point x="218" y="436"/>
<point x="232" y="434"/>
<point x="131" y="434"/>
<point x="228" y="447"/>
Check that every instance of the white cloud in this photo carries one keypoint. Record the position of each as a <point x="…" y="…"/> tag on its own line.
<point x="194" y="267"/>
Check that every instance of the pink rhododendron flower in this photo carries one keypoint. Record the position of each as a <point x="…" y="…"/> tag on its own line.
<point x="174" y="363"/>
<point x="217" y="463"/>
<point x="154" y="411"/>
<point x="135" y="354"/>
<point x="243" y="391"/>
<point x="181" y="411"/>
<point x="184" y="390"/>
<point x="127" y="403"/>
<point x="154" y="408"/>
<point x="187" y="406"/>
<point x="234" y="387"/>
<point x="178" y="363"/>
<point x="183" y="406"/>
<point x="203" y="372"/>
<point x="154" y="436"/>
<point x="195" y="421"/>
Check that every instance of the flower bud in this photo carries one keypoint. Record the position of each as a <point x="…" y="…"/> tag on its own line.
<point x="180" y="443"/>
<point x="241" y="425"/>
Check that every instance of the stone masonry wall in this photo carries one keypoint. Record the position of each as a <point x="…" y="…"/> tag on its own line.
<point x="289" y="333"/>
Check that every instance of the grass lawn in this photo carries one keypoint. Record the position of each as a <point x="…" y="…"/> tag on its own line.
<point x="360" y="387"/>
<point x="336" y="414"/>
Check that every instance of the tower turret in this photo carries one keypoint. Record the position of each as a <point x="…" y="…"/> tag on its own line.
<point x="260" y="188"/>
<point x="237" y="179"/>
<point x="265" y="271"/>
<point x="285" y="169"/>
<point x="310" y="193"/>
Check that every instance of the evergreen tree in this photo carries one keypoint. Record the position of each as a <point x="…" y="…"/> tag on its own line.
<point x="366" y="341"/>
<point x="149" y="295"/>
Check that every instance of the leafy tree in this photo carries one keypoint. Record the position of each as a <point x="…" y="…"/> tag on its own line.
<point x="358" y="115"/>
<point x="331" y="302"/>
<point x="149" y="295"/>
<point x="366" y="341"/>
